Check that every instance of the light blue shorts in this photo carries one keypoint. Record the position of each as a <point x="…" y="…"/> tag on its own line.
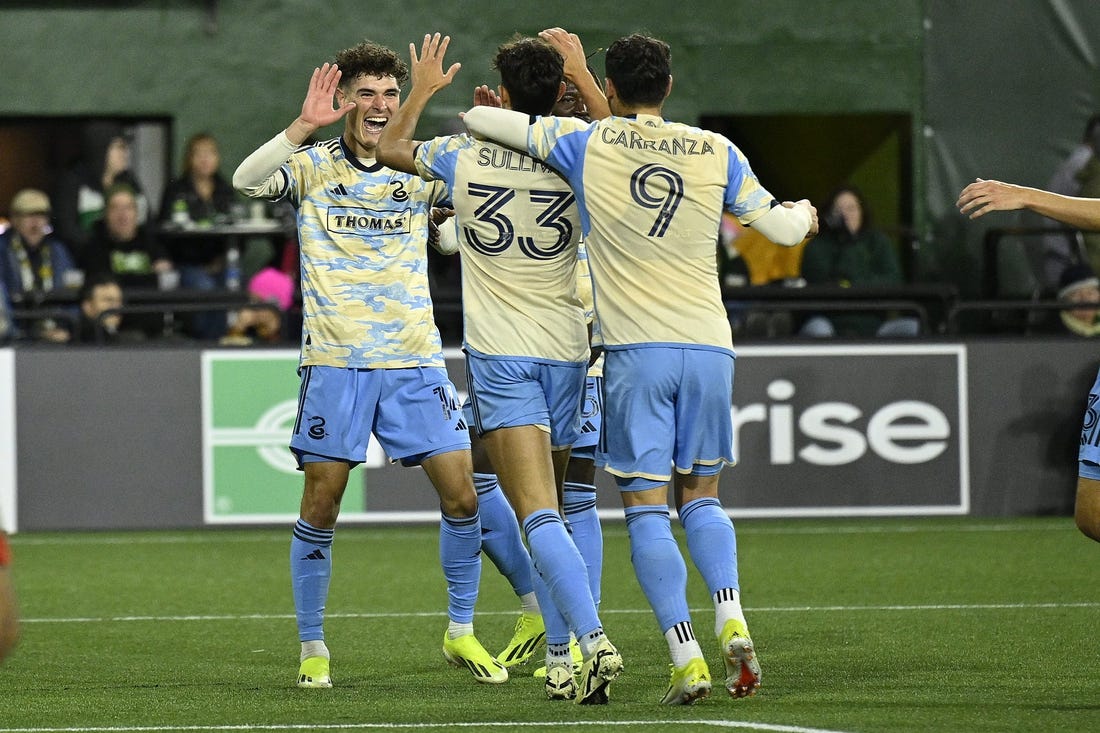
<point x="666" y="408"/>
<point x="591" y="419"/>
<point x="507" y="393"/>
<point x="414" y="413"/>
<point x="1088" y="455"/>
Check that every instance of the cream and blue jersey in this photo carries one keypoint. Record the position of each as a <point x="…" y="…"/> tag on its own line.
<point x="518" y="232"/>
<point x="362" y="234"/>
<point x="651" y="195"/>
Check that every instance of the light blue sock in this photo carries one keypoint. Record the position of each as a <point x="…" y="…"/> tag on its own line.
<point x="561" y="567"/>
<point x="460" y="556"/>
<point x="658" y="563"/>
<point x="310" y="571"/>
<point x="584" y="523"/>
<point x="500" y="537"/>
<point x="712" y="543"/>
<point x="557" y="628"/>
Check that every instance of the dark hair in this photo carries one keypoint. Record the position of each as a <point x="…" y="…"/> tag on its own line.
<point x="96" y="280"/>
<point x="370" y="59"/>
<point x="830" y="201"/>
<point x="189" y="149"/>
<point x="531" y="70"/>
<point x="639" y="66"/>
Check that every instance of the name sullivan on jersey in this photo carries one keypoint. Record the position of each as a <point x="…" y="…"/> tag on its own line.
<point x="509" y="160"/>
<point x="672" y="146"/>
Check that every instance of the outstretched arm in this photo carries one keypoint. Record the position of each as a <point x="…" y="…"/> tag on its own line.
<point x="396" y="148"/>
<point x="255" y="176"/>
<point x="982" y="197"/>
<point x="576" y="70"/>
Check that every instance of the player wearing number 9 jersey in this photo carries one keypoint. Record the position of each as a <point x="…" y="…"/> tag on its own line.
<point x="526" y="338"/>
<point x="651" y="194"/>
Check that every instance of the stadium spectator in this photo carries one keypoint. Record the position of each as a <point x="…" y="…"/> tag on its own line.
<point x="983" y="197"/>
<point x="80" y="202"/>
<point x="368" y="331"/>
<point x="851" y="252"/>
<point x="122" y="246"/>
<point x="34" y="261"/>
<point x="99" y="294"/>
<point x="661" y="319"/>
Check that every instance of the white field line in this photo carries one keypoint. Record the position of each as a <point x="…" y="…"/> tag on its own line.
<point x="357" y="533"/>
<point x="552" y="725"/>
<point x="603" y="611"/>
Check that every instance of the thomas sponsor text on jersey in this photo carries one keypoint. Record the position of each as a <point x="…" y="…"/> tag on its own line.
<point x="351" y="220"/>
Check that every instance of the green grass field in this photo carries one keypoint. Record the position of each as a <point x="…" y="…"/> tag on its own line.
<point x="861" y="625"/>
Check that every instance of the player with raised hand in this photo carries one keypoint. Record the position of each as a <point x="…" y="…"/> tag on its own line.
<point x="654" y="192"/>
<point x="525" y="335"/>
<point x="372" y="359"/>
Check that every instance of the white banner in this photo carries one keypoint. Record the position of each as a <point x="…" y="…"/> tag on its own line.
<point x="7" y="440"/>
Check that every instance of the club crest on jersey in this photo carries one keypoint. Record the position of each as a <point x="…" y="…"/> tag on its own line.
<point x="352" y="220"/>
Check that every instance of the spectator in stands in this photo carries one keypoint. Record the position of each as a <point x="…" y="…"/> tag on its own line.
<point x="849" y="252"/>
<point x="200" y="197"/>
<point x="1079" y="284"/>
<point x="7" y="326"/>
<point x="263" y="325"/>
<point x="81" y="195"/>
<point x="123" y="247"/>
<point x="34" y="261"/>
<point x="1057" y="251"/>
<point x="102" y="293"/>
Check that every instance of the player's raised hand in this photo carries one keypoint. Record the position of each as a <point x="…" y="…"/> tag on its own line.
<point x="319" y="108"/>
<point x="571" y="50"/>
<point x="426" y="70"/>
<point x="486" y="97"/>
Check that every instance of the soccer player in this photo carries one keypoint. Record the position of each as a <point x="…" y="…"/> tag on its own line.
<point x="525" y="337"/>
<point x="9" y="617"/>
<point x="372" y="358"/>
<point x="982" y="197"/>
<point x="651" y="195"/>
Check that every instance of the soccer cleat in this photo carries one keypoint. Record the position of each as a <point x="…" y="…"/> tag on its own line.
<point x="560" y="684"/>
<point x="742" y="667"/>
<point x="597" y="672"/>
<point x="688" y="683"/>
<point x="466" y="651"/>
<point x="314" y="673"/>
<point x="529" y="633"/>
<point x="575" y="651"/>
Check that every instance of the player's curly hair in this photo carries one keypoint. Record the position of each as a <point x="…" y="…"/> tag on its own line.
<point x="370" y="59"/>
<point x="531" y="70"/>
<point x="639" y="66"/>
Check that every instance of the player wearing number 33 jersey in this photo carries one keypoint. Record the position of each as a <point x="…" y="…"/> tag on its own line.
<point x="518" y="233"/>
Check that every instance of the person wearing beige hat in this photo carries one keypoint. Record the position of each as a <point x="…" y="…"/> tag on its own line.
<point x="34" y="261"/>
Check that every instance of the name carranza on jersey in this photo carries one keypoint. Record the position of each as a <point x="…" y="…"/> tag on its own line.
<point x="682" y="145"/>
<point x="360" y="221"/>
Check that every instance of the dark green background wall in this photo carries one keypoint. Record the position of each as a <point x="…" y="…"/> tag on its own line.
<point x="999" y="93"/>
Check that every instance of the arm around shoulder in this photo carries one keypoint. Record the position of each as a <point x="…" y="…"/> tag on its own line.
<point x="504" y="126"/>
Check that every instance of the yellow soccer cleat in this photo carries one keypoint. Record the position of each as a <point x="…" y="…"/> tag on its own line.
<point x="739" y="654"/>
<point x="466" y="651"/>
<point x="528" y="635"/>
<point x="560" y="684"/>
<point x="597" y="673"/>
<point x="575" y="651"/>
<point x="314" y="673"/>
<point x="688" y="683"/>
